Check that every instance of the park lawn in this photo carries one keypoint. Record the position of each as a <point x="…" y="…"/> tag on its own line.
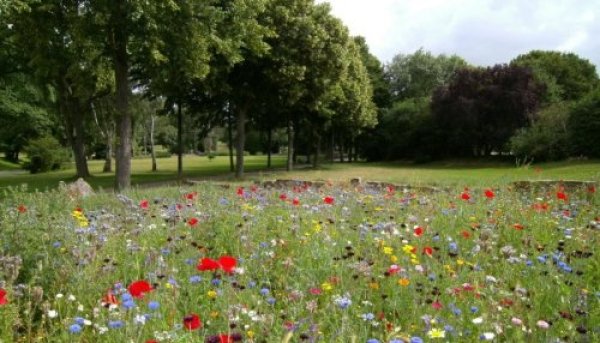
<point x="7" y="165"/>
<point x="195" y="167"/>
<point x="458" y="173"/>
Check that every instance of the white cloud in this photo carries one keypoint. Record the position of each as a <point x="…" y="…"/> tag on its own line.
<point x="484" y="32"/>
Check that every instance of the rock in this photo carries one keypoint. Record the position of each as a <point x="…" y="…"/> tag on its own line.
<point x="77" y="189"/>
<point x="568" y="185"/>
<point x="355" y="182"/>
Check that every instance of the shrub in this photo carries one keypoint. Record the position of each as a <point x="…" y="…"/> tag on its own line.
<point x="45" y="154"/>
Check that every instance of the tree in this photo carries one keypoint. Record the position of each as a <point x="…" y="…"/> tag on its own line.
<point x="584" y="126"/>
<point x="567" y="76"/>
<point x="419" y="74"/>
<point x="50" y="42"/>
<point x="480" y="109"/>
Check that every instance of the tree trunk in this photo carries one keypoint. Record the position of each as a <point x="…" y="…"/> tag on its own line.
<point x="341" y="148"/>
<point x="317" y="148"/>
<point x="269" y="146"/>
<point x="230" y="142"/>
<point x="240" y="141"/>
<point x="109" y="152"/>
<point x="179" y="142"/>
<point x="121" y="66"/>
<point x="152" y="152"/>
<point x="331" y="147"/>
<point x="78" y="141"/>
<point x="290" y="155"/>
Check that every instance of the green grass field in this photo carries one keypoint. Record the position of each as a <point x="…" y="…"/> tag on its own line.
<point x="201" y="168"/>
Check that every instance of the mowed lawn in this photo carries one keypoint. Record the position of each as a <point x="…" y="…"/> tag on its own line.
<point x="459" y="173"/>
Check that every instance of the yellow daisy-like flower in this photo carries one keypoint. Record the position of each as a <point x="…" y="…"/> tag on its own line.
<point x="211" y="294"/>
<point x="460" y="262"/>
<point x="393" y="258"/>
<point x="214" y="314"/>
<point x="373" y="285"/>
<point x="404" y="282"/>
<point x="326" y="286"/>
<point x="250" y="334"/>
<point x="414" y="261"/>
<point x="388" y="250"/>
<point x="436" y="333"/>
<point x="408" y="249"/>
<point x="317" y="227"/>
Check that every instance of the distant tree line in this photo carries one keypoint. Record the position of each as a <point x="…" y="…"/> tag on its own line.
<point x="116" y="78"/>
<point x="543" y="105"/>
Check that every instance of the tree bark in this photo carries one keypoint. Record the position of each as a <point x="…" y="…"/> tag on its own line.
<point x="331" y="148"/>
<point x="152" y="151"/>
<point x="341" y="148"/>
<point x="317" y="148"/>
<point x="269" y="146"/>
<point x="230" y="142"/>
<point x="179" y="142"/>
<point x="121" y="68"/>
<point x="290" y="155"/>
<point x="240" y="141"/>
<point x="75" y="136"/>
<point x="109" y="152"/>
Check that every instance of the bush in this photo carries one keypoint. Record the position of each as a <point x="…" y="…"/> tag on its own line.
<point x="584" y="126"/>
<point x="45" y="154"/>
<point x="547" y="139"/>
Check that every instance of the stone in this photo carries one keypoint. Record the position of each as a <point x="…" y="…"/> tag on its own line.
<point x="77" y="189"/>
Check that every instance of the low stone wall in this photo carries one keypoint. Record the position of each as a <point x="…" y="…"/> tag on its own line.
<point x="567" y="185"/>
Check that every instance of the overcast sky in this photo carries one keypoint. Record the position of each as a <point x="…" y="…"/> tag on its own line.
<point x="483" y="32"/>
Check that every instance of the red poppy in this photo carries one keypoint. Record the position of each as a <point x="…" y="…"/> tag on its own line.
<point x="283" y="197"/>
<point x="315" y="291"/>
<point x="296" y="202"/>
<point x="254" y="188"/>
<point x="227" y="263"/>
<point x="193" y="221"/>
<point x="489" y="194"/>
<point x="428" y="251"/>
<point x="561" y="195"/>
<point x="465" y="234"/>
<point x="179" y="207"/>
<point x="465" y="195"/>
<point x="208" y="264"/>
<point x="144" y="204"/>
<point x="191" y="195"/>
<point x="329" y="200"/>
<point x="192" y="322"/>
<point x="518" y="226"/>
<point x="22" y="208"/>
<point x="437" y="305"/>
<point x="418" y="231"/>
<point x="3" y="300"/>
<point x="138" y="288"/>
<point x="393" y="269"/>
<point x="240" y="191"/>
<point x="390" y="189"/>
<point x="226" y="339"/>
<point x="540" y="207"/>
<point x="151" y="341"/>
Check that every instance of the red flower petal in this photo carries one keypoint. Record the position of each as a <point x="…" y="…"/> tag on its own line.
<point x="283" y="196"/>
<point x="329" y="200"/>
<point x="428" y="251"/>
<point x="240" y="191"/>
<point x="144" y="204"/>
<point x="208" y="264"/>
<point x="3" y="300"/>
<point x="22" y="208"/>
<point x="138" y="288"/>
<point x="518" y="226"/>
<point x="465" y="196"/>
<point x="489" y="194"/>
<point x="191" y="195"/>
<point x="418" y="231"/>
<point x="193" y="221"/>
<point x="296" y="202"/>
<point x="192" y="322"/>
<point x="227" y="263"/>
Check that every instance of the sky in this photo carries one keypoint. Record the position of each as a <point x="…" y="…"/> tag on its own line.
<point x="483" y="32"/>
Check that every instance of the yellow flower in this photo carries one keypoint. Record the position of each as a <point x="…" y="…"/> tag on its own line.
<point x="250" y="334"/>
<point x="326" y="286"/>
<point x="408" y="249"/>
<point x="378" y="209"/>
<point x="212" y="294"/>
<point x="388" y="250"/>
<point x="373" y="285"/>
<point x="214" y="314"/>
<point x="460" y="262"/>
<point x="393" y="258"/>
<point x="317" y="227"/>
<point x="436" y="333"/>
<point x="404" y="282"/>
<point x="414" y="261"/>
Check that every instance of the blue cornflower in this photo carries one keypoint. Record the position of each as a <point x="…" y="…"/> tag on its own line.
<point x="368" y="316"/>
<point x="264" y="291"/>
<point x="271" y="300"/>
<point x="126" y="297"/>
<point x="474" y="309"/>
<point x="153" y="305"/>
<point x="541" y="259"/>
<point x="251" y="284"/>
<point x="396" y="340"/>
<point x="372" y="340"/>
<point x="216" y="282"/>
<point x="416" y="339"/>
<point x="115" y="324"/>
<point x="79" y="320"/>
<point x="453" y="246"/>
<point x="195" y="278"/>
<point x="129" y="304"/>
<point x="56" y="244"/>
<point x="75" y="328"/>
<point x="190" y="261"/>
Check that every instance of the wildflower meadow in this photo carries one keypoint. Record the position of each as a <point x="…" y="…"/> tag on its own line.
<point x="337" y="263"/>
